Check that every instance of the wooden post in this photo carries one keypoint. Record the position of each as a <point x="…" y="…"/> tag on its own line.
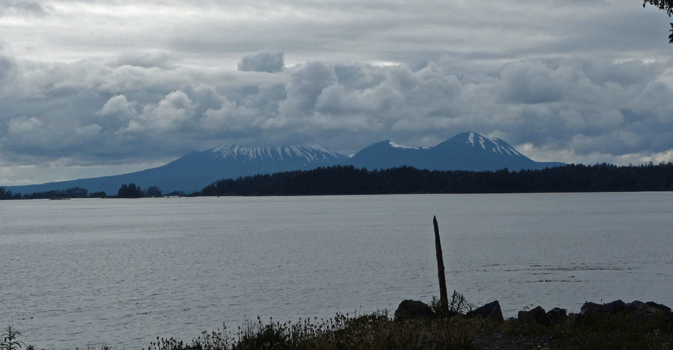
<point x="443" y="297"/>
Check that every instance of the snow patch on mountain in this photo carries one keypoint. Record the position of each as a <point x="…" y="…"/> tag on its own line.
<point x="395" y="145"/>
<point x="498" y="146"/>
<point x="310" y="152"/>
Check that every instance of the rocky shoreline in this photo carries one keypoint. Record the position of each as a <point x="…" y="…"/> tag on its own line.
<point x="413" y="309"/>
<point x="501" y="336"/>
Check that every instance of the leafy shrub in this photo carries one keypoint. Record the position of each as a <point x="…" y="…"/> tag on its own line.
<point x="457" y="304"/>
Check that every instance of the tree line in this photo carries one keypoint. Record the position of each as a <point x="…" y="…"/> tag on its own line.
<point x="125" y="191"/>
<point x="338" y="180"/>
<point x="74" y="192"/>
<point x="341" y="180"/>
<point x="133" y="191"/>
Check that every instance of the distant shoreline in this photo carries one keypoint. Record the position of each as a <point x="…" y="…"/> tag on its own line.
<point x="349" y="180"/>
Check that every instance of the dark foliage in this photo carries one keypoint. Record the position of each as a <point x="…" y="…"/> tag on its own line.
<point x="665" y="5"/>
<point x="98" y="195"/>
<point x="130" y="191"/>
<point x="74" y="192"/>
<point x="341" y="180"/>
<point x="133" y="191"/>
<point x="153" y="191"/>
<point x="176" y="194"/>
<point x="4" y="194"/>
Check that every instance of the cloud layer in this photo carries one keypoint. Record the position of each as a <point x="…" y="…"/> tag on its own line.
<point x="269" y="62"/>
<point x="95" y="86"/>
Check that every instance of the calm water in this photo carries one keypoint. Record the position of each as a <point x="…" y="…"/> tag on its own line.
<point x="122" y="272"/>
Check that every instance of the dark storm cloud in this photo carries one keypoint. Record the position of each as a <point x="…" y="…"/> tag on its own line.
<point x="21" y="8"/>
<point x="269" y="62"/>
<point x="7" y="70"/>
<point x="591" y="108"/>
<point x="215" y="33"/>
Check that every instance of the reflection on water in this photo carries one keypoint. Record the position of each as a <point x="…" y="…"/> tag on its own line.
<point x="122" y="272"/>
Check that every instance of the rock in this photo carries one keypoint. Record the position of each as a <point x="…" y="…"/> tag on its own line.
<point x="636" y="308"/>
<point x="413" y="309"/>
<point x="633" y="306"/>
<point x="489" y="311"/>
<point x="537" y="315"/>
<point x="592" y="309"/>
<point x="645" y="311"/>
<point x="615" y="306"/>
<point x="557" y="316"/>
<point x="661" y="307"/>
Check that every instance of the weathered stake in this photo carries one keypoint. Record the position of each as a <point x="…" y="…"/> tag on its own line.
<point x="443" y="297"/>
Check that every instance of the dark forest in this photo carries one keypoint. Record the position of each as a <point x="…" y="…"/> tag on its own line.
<point x="350" y="180"/>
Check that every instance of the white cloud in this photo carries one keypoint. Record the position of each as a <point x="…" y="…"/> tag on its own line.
<point x="119" y="106"/>
<point x="171" y="113"/>
<point x="231" y="119"/>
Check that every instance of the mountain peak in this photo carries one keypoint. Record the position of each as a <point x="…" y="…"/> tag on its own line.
<point x="477" y="141"/>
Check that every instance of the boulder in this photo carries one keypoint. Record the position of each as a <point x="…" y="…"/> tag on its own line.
<point x="489" y="311"/>
<point x="647" y="310"/>
<point x="592" y="309"/>
<point x="557" y="316"/>
<point x="665" y="309"/>
<point x="413" y="309"/>
<point x="636" y="308"/>
<point x="615" y="306"/>
<point x="537" y="315"/>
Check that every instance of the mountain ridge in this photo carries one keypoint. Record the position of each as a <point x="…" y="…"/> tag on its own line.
<point x="467" y="151"/>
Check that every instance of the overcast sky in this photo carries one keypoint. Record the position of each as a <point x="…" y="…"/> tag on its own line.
<point x="91" y="87"/>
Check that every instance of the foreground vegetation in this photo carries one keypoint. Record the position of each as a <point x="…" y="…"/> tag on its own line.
<point x="378" y="331"/>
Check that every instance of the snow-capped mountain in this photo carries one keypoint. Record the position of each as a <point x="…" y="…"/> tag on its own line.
<point x="466" y="151"/>
<point x="234" y="161"/>
<point x="387" y="154"/>
<point x="198" y="169"/>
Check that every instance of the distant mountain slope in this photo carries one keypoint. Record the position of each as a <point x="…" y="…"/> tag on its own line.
<point x="466" y="151"/>
<point x="198" y="169"/>
<point x="385" y="155"/>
